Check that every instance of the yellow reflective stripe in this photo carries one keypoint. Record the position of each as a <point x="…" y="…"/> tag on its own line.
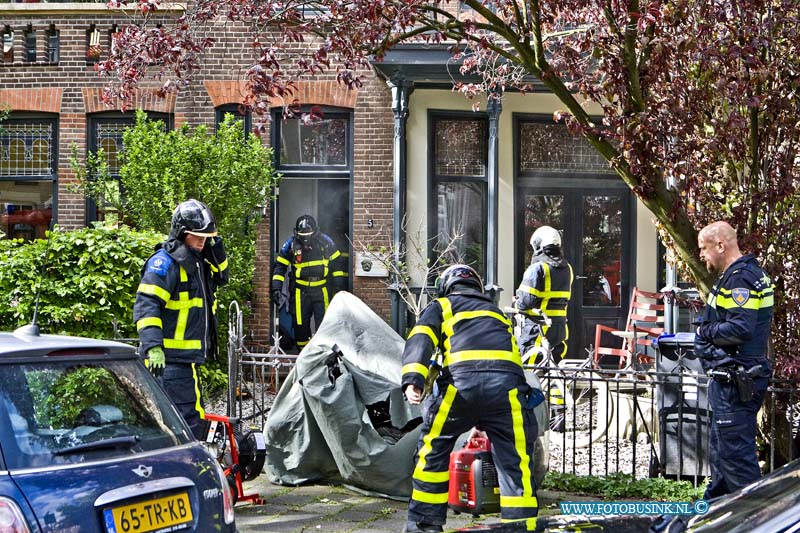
<point x="298" y="309"/>
<point x="178" y="344"/>
<point x="482" y="355"/>
<point x="155" y="290"/>
<point x="224" y="265"/>
<point x="728" y="303"/>
<point x="184" y="303"/>
<point x="429" y="497"/>
<point x="318" y="262"/>
<point x="449" y="324"/>
<point x="432" y="477"/>
<point x="198" y="404"/>
<point x="414" y="368"/>
<point x="556" y="312"/>
<point x="302" y="343"/>
<point x="215" y="268"/>
<point x="767" y="301"/>
<point x="278" y="277"/>
<point x="283" y="260"/>
<point x="424" y="330"/>
<point x="427" y="447"/>
<point x="184" y="275"/>
<point x="447" y="314"/>
<point x="547" y="281"/>
<point x="545" y="294"/>
<point x="149" y="321"/>
<point x="311" y="283"/>
<point x="339" y="274"/>
<point x="183" y="313"/>
<point x="527" y="499"/>
<point x="325" y="297"/>
<point x="334" y="255"/>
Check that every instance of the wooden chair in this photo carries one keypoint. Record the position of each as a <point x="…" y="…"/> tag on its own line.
<point x="644" y="324"/>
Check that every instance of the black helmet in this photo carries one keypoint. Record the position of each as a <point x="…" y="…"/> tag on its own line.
<point x="193" y="216"/>
<point x="457" y="275"/>
<point x="305" y="228"/>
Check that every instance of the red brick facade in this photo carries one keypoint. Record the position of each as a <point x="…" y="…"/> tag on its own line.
<point x="71" y="90"/>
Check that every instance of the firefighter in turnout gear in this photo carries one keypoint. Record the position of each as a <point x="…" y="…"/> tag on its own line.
<point x="175" y="307"/>
<point x="731" y="341"/>
<point x="315" y="271"/>
<point x="481" y="384"/>
<point x="546" y="288"/>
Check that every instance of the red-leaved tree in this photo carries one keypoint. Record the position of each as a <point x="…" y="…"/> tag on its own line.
<point x="700" y="98"/>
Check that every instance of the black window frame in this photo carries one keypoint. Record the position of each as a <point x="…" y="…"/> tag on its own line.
<point x="236" y="111"/>
<point x="435" y="180"/>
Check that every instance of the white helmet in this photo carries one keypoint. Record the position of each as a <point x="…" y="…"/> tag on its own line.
<point x="545" y="236"/>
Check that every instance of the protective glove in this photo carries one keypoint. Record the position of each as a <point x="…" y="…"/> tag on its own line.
<point x="275" y="296"/>
<point x="214" y="251"/>
<point x="157" y="361"/>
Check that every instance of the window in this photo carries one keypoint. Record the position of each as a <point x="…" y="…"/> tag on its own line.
<point x="27" y="176"/>
<point x="459" y="186"/>
<point x="105" y="132"/>
<point x="315" y="160"/>
<point x="238" y="112"/>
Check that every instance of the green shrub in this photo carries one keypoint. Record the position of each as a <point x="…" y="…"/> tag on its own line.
<point x="618" y="485"/>
<point x="88" y="283"/>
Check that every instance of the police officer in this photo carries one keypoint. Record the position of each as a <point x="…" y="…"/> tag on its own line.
<point x="732" y="342"/>
<point x="315" y="271"/>
<point x="481" y="385"/>
<point x="175" y="307"/>
<point x="546" y="286"/>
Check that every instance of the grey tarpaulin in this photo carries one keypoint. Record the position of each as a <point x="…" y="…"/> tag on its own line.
<point x="320" y="431"/>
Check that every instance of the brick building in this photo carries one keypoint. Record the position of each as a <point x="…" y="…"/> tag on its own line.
<point x="402" y="147"/>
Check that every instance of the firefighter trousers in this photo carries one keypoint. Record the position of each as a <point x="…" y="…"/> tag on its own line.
<point x="309" y="302"/>
<point x="182" y="385"/>
<point x="494" y="402"/>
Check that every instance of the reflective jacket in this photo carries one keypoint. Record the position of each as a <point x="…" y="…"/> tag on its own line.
<point x="738" y="313"/>
<point x="175" y="303"/>
<point x="546" y="286"/>
<point x="472" y="333"/>
<point x="312" y="265"/>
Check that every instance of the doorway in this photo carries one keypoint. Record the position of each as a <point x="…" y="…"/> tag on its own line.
<point x="596" y="226"/>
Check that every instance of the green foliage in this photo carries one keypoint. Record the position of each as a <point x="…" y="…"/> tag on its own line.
<point x="231" y="173"/>
<point x="88" y="283"/>
<point x="618" y="485"/>
<point x="213" y="377"/>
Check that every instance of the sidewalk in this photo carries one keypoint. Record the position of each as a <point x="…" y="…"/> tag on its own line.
<point x="336" y="509"/>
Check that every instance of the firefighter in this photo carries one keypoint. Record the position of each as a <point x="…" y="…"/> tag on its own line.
<point x="313" y="270"/>
<point x="732" y="342"/>
<point x="175" y="307"/>
<point x="546" y="287"/>
<point x="481" y="384"/>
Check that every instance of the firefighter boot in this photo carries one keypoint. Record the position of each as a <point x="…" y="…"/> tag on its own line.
<point x="422" y="527"/>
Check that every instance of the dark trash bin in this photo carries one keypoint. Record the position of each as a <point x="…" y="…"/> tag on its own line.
<point x="683" y="413"/>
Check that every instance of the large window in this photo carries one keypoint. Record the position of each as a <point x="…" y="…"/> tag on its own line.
<point x="105" y="133"/>
<point x="316" y="161"/>
<point x="28" y="156"/>
<point x="458" y="187"/>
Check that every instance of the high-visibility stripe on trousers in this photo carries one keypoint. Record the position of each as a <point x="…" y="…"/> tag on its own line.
<point x="495" y="402"/>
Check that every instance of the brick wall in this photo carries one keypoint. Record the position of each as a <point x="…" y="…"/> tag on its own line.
<point x="71" y="88"/>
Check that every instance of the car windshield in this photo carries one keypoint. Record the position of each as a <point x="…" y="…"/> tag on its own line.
<point x="66" y="412"/>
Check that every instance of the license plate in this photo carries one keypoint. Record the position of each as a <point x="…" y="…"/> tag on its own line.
<point x="162" y="514"/>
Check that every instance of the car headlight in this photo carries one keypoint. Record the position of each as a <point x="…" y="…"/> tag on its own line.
<point x="11" y="519"/>
<point x="227" y="496"/>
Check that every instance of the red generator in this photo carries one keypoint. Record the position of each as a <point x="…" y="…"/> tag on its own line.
<point x="473" y="479"/>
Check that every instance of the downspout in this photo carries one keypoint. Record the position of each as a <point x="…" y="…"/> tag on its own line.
<point x="494" y="108"/>
<point x="401" y="89"/>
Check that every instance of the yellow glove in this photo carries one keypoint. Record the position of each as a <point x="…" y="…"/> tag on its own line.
<point x="157" y="361"/>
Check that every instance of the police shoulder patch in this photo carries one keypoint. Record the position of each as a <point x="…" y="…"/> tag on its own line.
<point x="159" y="263"/>
<point x="740" y="296"/>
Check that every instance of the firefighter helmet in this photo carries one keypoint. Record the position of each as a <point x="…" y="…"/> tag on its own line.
<point x="193" y="216"/>
<point x="306" y="228"/>
<point x="457" y="275"/>
<point x="544" y="237"/>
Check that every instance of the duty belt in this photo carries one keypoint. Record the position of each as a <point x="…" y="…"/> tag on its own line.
<point x="311" y="282"/>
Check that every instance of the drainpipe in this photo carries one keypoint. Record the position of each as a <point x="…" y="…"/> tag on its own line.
<point x="494" y="108"/>
<point x="401" y="89"/>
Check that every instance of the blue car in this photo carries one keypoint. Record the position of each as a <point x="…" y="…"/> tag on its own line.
<point x="90" y="443"/>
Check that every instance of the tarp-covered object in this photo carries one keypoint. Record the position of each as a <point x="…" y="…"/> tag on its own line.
<point x="319" y="428"/>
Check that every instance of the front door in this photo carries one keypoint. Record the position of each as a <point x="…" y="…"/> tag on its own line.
<point x="596" y="228"/>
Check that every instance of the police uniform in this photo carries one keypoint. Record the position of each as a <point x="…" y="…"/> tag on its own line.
<point x="310" y="267"/>
<point x="175" y="307"/>
<point x="546" y="286"/>
<point x="734" y="333"/>
<point x="481" y="385"/>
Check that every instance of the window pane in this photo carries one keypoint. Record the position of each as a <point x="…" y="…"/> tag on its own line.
<point x="26" y="208"/>
<point x="552" y="147"/>
<point x="460" y="215"/>
<point x="602" y="250"/>
<point x="460" y="147"/>
<point x="26" y="149"/>
<point x="322" y="143"/>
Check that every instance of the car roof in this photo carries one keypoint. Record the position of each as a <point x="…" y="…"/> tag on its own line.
<point x="26" y="343"/>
